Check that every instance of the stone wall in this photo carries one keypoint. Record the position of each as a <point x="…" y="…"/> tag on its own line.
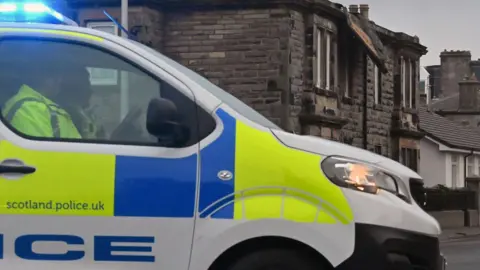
<point x="264" y="57"/>
<point x="242" y="51"/>
<point x="353" y="108"/>
<point x="379" y="116"/>
<point x="296" y="48"/>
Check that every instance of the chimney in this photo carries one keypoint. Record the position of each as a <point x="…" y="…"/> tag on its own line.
<point x="468" y="93"/>
<point x="353" y="9"/>
<point x="364" y="10"/>
<point x="453" y="66"/>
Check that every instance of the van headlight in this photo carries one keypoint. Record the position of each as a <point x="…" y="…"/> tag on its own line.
<point x="362" y="176"/>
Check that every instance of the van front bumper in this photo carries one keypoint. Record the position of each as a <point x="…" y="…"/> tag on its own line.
<point x="382" y="248"/>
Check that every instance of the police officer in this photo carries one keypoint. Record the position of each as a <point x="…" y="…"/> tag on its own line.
<point x="32" y="110"/>
<point x="75" y="99"/>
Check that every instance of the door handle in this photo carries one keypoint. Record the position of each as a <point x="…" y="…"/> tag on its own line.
<point x="15" y="166"/>
<point x="17" y="169"/>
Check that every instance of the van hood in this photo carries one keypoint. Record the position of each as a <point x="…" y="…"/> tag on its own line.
<point x="326" y="147"/>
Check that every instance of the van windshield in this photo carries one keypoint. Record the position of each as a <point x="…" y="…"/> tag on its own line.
<point x="221" y="94"/>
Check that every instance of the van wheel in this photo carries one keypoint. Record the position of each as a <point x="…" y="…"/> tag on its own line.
<point x="276" y="259"/>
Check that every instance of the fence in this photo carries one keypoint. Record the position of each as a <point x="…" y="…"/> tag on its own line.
<point x="452" y="208"/>
<point x="437" y="199"/>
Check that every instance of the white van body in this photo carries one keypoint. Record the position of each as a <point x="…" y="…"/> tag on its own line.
<point x="359" y="238"/>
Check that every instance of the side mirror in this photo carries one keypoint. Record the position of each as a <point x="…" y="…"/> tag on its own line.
<point x="163" y="122"/>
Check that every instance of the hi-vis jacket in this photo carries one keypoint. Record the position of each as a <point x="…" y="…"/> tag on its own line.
<point x="35" y="115"/>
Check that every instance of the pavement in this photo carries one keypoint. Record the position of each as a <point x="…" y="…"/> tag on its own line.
<point x="462" y="253"/>
<point x="459" y="233"/>
<point x="461" y="247"/>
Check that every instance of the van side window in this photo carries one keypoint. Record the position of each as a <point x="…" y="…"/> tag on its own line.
<point x="55" y="90"/>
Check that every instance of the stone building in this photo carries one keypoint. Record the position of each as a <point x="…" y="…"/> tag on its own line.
<point x="454" y="88"/>
<point x="313" y="67"/>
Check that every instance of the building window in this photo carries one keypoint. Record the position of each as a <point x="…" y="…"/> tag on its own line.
<point x="455" y="168"/>
<point x="377" y="81"/>
<point x="343" y="68"/>
<point x="102" y="76"/>
<point x="347" y="90"/>
<point x="325" y="60"/>
<point x="478" y="165"/>
<point x="470" y="166"/>
<point x="409" y="158"/>
<point x="104" y="26"/>
<point x="408" y="82"/>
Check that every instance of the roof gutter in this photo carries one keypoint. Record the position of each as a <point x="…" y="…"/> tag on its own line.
<point x="439" y="140"/>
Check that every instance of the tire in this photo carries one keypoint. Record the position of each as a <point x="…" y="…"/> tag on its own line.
<point x="276" y="259"/>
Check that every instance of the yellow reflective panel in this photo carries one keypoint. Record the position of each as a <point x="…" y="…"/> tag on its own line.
<point x="271" y="206"/>
<point x="52" y="31"/>
<point x="265" y="166"/>
<point x="324" y="217"/>
<point x="75" y="184"/>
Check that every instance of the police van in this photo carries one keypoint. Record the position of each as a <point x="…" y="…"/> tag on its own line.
<point x="186" y="176"/>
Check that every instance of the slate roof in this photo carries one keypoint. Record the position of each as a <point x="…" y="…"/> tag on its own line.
<point x="449" y="103"/>
<point x="448" y="132"/>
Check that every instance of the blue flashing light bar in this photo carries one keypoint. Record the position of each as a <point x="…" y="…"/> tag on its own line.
<point x="31" y="12"/>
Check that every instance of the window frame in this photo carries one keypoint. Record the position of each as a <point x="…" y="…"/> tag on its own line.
<point x="323" y="67"/>
<point x="347" y="78"/>
<point x="413" y="159"/>
<point x="129" y="56"/>
<point x="102" y="23"/>
<point x="477" y="165"/>
<point x="455" y="163"/>
<point x="377" y="81"/>
<point x="470" y="166"/>
<point x="413" y="84"/>
<point x="402" y="81"/>
<point x="409" y="157"/>
<point x="408" y="81"/>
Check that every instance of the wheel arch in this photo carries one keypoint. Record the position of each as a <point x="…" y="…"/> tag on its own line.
<point x="241" y="249"/>
<point x="215" y="238"/>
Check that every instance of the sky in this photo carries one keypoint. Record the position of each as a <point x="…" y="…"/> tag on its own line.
<point x="428" y="20"/>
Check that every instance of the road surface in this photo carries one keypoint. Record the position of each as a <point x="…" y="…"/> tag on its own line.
<point x="462" y="254"/>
